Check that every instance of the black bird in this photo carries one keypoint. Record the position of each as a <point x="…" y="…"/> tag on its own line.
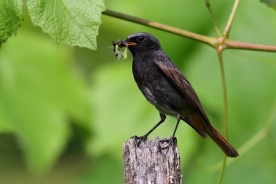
<point x="165" y="87"/>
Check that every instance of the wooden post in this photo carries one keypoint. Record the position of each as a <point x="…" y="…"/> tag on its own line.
<point x="150" y="163"/>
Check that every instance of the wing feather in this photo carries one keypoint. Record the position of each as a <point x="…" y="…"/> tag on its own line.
<point x="183" y="85"/>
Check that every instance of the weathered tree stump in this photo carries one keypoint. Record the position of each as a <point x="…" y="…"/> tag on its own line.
<point x="152" y="162"/>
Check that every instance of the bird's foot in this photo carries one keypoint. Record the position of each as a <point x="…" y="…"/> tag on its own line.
<point x="140" y="139"/>
<point x="172" y="141"/>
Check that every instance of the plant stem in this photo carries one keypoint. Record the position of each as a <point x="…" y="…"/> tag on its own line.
<point x="222" y="170"/>
<point x="224" y="92"/>
<point x="225" y="103"/>
<point x="231" y="18"/>
<point x="204" y="39"/>
<point x="231" y="44"/>
<point x="212" y="18"/>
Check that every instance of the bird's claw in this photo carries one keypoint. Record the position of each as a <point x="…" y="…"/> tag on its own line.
<point x="140" y="139"/>
<point x="170" y="142"/>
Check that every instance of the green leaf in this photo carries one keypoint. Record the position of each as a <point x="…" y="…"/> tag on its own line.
<point x="10" y="17"/>
<point x="38" y="96"/>
<point x="72" y="22"/>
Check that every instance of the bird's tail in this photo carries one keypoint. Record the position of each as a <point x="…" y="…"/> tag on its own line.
<point x="224" y="145"/>
<point x="207" y="127"/>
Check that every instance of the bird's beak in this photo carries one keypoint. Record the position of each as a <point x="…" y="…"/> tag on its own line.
<point x="130" y="43"/>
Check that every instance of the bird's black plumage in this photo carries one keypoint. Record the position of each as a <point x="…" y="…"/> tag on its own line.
<point x="165" y="87"/>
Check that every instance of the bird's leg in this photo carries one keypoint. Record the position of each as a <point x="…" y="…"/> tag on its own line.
<point x="177" y="123"/>
<point x="144" y="137"/>
<point x="173" y="138"/>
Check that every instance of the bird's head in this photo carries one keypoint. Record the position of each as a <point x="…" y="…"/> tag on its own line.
<point x="142" y="42"/>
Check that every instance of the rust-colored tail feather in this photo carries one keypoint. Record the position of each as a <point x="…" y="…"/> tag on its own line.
<point x="225" y="146"/>
<point x="205" y="126"/>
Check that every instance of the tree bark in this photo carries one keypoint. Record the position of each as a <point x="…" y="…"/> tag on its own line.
<point x="151" y="162"/>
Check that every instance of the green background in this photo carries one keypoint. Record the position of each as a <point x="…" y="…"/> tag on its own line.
<point x="65" y="112"/>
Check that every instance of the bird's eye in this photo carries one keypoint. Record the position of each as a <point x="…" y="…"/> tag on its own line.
<point x="140" y="38"/>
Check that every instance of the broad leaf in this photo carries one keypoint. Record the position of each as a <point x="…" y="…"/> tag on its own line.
<point x="72" y="22"/>
<point x="10" y="17"/>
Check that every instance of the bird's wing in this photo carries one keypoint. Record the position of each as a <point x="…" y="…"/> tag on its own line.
<point x="183" y="85"/>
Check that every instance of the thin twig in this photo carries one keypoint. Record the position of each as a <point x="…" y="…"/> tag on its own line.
<point x="219" y="52"/>
<point x="213" y="42"/>
<point x="204" y="39"/>
<point x="222" y="170"/>
<point x="231" y="18"/>
<point x="212" y="17"/>
<point x="231" y="44"/>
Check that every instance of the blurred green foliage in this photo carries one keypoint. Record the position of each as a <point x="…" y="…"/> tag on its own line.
<point x="65" y="112"/>
<point x="269" y="3"/>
